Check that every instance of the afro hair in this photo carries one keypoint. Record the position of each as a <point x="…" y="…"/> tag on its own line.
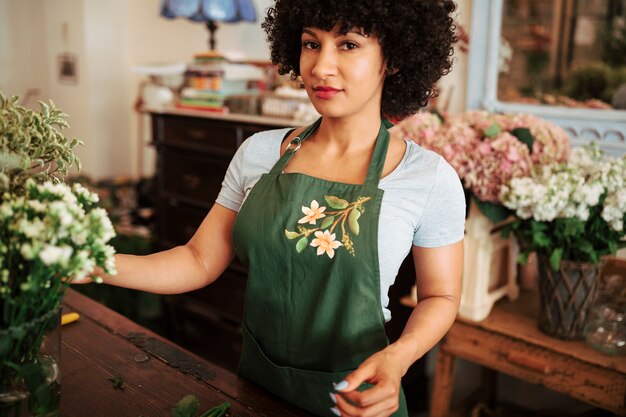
<point x="416" y="37"/>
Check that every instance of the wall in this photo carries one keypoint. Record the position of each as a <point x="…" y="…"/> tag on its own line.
<point x="22" y="47"/>
<point x="108" y="39"/>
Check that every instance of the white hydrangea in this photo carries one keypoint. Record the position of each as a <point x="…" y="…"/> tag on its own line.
<point x="571" y="190"/>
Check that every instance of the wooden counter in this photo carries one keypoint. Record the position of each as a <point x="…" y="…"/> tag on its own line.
<point x="102" y="344"/>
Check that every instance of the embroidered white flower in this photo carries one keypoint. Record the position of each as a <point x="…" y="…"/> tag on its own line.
<point x="325" y="243"/>
<point x="312" y="213"/>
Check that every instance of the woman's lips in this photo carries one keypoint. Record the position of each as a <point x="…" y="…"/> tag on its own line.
<point x="325" y="92"/>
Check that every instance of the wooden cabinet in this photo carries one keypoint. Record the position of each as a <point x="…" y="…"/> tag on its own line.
<point x="193" y="154"/>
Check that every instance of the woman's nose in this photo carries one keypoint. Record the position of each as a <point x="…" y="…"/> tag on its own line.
<point x="326" y="63"/>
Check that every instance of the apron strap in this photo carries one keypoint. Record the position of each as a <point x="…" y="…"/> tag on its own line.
<point x="293" y="146"/>
<point x="376" y="164"/>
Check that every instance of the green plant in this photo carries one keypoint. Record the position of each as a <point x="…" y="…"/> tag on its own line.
<point x="589" y="82"/>
<point x="49" y="234"/>
<point x="32" y="144"/>
<point x="189" y="405"/>
<point x="574" y="211"/>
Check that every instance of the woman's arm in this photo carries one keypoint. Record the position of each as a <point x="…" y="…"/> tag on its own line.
<point x="438" y="276"/>
<point x="183" y="268"/>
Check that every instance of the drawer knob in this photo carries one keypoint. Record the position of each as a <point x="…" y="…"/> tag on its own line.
<point x="523" y="360"/>
<point x="191" y="181"/>
<point x="196" y="134"/>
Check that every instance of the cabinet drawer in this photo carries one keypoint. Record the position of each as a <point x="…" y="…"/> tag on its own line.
<point x="214" y="135"/>
<point x="178" y="223"/>
<point x="196" y="178"/>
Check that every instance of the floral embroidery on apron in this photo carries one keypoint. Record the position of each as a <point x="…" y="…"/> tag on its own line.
<point x="324" y="241"/>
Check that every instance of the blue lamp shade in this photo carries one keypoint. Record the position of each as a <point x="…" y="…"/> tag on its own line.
<point x="229" y="11"/>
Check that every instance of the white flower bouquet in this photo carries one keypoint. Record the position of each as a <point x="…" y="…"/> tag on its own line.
<point x="50" y="233"/>
<point x="570" y="211"/>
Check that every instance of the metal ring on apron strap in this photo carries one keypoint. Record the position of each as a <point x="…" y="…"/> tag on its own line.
<point x="295" y="141"/>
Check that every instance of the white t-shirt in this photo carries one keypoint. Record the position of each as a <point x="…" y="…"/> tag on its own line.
<point x="423" y="202"/>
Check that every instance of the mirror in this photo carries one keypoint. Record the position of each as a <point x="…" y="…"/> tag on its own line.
<point x="568" y="53"/>
<point x="563" y="60"/>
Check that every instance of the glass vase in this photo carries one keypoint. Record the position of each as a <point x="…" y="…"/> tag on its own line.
<point x="606" y="329"/>
<point x="30" y="378"/>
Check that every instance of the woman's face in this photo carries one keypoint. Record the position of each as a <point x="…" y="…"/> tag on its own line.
<point x="343" y="74"/>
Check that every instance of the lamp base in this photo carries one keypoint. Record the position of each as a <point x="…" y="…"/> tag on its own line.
<point x="212" y="27"/>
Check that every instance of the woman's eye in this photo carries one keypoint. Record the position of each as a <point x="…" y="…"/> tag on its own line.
<point x="309" y="45"/>
<point x="348" y="46"/>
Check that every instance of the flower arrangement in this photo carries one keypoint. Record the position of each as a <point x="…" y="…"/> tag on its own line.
<point x="573" y="210"/>
<point x="49" y="234"/>
<point x="488" y="150"/>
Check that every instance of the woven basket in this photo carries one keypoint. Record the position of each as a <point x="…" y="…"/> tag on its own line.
<point x="566" y="297"/>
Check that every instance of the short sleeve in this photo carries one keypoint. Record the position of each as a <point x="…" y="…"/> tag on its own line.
<point x="233" y="192"/>
<point x="443" y="220"/>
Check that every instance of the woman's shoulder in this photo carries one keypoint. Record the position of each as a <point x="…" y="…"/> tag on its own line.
<point x="266" y="138"/>
<point x="264" y="146"/>
<point x="419" y="166"/>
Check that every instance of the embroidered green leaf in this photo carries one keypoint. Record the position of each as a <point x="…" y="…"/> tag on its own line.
<point x="301" y="245"/>
<point x="327" y="222"/>
<point x="353" y="221"/>
<point x="336" y="202"/>
<point x="291" y="235"/>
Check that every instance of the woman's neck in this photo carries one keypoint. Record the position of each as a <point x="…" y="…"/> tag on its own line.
<point x="345" y="135"/>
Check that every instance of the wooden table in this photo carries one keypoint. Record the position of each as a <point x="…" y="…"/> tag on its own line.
<point x="509" y="342"/>
<point x="104" y="344"/>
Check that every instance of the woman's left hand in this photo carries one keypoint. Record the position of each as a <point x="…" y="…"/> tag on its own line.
<point x="384" y="371"/>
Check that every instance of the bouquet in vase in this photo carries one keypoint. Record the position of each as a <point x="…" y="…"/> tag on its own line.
<point x="49" y="233"/>
<point x="573" y="210"/>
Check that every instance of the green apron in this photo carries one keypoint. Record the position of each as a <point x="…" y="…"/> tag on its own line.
<point x="312" y="311"/>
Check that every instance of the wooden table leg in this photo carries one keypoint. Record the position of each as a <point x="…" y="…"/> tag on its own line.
<point x="443" y="384"/>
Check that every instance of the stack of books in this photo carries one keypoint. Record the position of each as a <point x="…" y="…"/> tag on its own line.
<point x="211" y="80"/>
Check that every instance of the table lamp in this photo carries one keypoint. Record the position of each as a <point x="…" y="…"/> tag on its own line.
<point x="210" y="12"/>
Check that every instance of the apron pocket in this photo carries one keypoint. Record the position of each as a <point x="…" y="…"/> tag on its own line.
<point x="303" y="388"/>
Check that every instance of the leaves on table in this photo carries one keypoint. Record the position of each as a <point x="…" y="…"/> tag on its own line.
<point x="117" y="382"/>
<point x="189" y="405"/>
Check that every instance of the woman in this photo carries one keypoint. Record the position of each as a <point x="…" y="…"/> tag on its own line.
<point x="324" y="215"/>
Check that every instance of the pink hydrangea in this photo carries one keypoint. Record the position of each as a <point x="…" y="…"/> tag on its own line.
<point x="480" y="146"/>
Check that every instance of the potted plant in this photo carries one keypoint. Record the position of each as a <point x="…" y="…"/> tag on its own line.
<point x="571" y="214"/>
<point x="487" y="150"/>
<point x="49" y="233"/>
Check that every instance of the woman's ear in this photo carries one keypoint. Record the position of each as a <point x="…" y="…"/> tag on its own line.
<point x="390" y="71"/>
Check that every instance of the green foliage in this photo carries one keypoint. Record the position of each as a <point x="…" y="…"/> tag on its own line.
<point x="597" y="80"/>
<point x="32" y="145"/>
<point x="189" y="405"/>
<point x="497" y="213"/>
<point x="566" y="238"/>
<point x="588" y="82"/>
<point x="117" y="382"/>
<point x="524" y="136"/>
